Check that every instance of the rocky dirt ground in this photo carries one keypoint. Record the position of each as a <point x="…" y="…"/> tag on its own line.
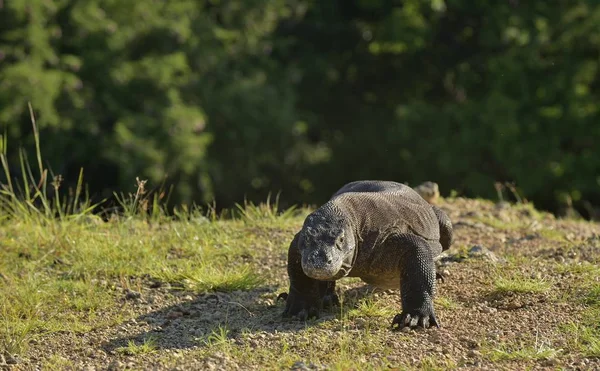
<point x="518" y="294"/>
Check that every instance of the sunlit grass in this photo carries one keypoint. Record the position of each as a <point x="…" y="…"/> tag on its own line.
<point x="147" y="346"/>
<point x="517" y="284"/>
<point x="525" y="353"/>
<point x="62" y="268"/>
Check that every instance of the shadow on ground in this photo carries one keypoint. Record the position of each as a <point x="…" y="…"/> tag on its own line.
<point x="212" y="316"/>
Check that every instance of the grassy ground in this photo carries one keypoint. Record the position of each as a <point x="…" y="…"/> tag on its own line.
<point x="143" y="291"/>
<point x="201" y="293"/>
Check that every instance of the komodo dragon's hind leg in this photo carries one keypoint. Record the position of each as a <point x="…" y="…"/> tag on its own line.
<point x="446" y="232"/>
<point x="417" y="280"/>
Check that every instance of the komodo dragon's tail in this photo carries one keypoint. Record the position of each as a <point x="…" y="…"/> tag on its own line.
<point x="446" y="234"/>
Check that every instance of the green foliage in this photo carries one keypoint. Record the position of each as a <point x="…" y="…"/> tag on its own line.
<point x="466" y="93"/>
<point x="234" y="100"/>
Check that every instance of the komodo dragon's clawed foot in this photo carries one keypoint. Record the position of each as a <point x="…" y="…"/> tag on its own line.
<point x="300" y="308"/>
<point x="414" y="319"/>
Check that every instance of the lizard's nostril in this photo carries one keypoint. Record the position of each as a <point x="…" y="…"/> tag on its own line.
<point x="329" y="260"/>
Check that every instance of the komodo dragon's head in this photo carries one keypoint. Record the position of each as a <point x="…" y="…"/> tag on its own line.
<point x="327" y="246"/>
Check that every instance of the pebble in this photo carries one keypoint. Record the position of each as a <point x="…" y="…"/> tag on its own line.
<point x="474" y="353"/>
<point x="10" y="360"/>
<point x="131" y="295"/>
<point x="551" y="362"/>
<point x="488" y="310"/>
<point x="360" y="322"/>
<point x="2" y="360"/>
<point x="479" y="251"/>
<point x="174" y="314"/>
<point x="393" y="358"/>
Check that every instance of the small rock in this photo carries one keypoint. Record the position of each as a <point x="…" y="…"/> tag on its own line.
<point x="536" y="275"/>
<point x="10" y="360"/>
<point x="473" y="353"/>
<point x="174" y="314"/>
<point x="429" y="191"/>
<point x="514" y="305"/>
<point x="360" y="322"/>
<point x="502" y="205"/>
<point x="473" y="214"/>
<point x="479" y="251"/>
<point x="488" y="310"/>
<point x="155" y="284"/>
<point x="199" y="332"/>
<point x="302" y="366"/>
<point x="2" y="360"/>
<point x="550" y="362"/>
<point x="212" y="298"/>
<point x="436" y="338"/>
<point x="393" y="358"/>
<point x="132" y="295"/>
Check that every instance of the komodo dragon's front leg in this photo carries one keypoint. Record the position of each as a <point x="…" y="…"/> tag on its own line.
<point x="417" y="280"/>
<point x="307" y="296"/>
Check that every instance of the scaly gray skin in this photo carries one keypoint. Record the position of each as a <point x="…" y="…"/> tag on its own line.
<point x="446" y="232"/>
<point x="382" y="232"/>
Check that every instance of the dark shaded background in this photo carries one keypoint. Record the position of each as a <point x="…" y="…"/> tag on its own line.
<point x="227" y="100"/>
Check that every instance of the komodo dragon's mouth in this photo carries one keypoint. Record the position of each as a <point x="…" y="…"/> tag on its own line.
<point x="344" y="270"/>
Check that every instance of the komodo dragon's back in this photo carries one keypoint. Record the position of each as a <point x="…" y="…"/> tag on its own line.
<point x="400" y="210"/>
<point x="408" y="195"/>
<point x="376" y="186"/>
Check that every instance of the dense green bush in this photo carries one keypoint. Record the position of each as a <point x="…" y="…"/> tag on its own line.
<point x="466" y="93"/>
<point x="233" y="99"/>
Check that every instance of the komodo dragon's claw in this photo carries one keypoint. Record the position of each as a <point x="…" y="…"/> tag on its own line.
<point x="405" y="319"/>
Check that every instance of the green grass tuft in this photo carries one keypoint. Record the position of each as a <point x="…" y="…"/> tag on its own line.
<point x="56" y="362"/>
<point x="434" y="363"/>
<point x="210" y="278"/>
<point x="585" y="337"/>
<point x="593" y="295"/>
<point x="147" y="346"/>
<point x="370" y="308"/>
<point x="525" y="353"/>
<point x="217" y="337"/>
<point x="251" y="213"/>
<point x="517" y="284"/>
<point x="446" y="303"/>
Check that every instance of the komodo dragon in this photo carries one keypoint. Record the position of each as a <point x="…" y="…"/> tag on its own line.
<point x="380" y="231"/>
